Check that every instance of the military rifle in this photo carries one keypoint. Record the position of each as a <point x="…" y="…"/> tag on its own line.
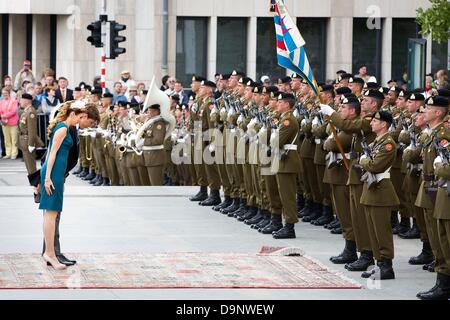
<point x="370" y="177"/>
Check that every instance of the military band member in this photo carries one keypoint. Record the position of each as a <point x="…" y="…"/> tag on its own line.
<point x="28" y="137"/>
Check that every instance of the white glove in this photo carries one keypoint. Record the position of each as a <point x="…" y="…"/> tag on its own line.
<point x="139" y="144"/>
<point x="304" y="122"/>
<point x="31" y="149"/>
<point x="174" y="137"/>
<point x="106" y="134"/>
<point x="326" y="109"/>
<point x="437" y="161"/>
<point x="315" y="122"/>
<point x="181" y="141"/>
<point x="211" y="148"/>
<point x="362" y="157"/>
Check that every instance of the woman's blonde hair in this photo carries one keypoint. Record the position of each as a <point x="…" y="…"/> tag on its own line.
<point x="63" y="113"/>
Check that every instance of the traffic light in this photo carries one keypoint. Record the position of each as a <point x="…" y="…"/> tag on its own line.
<point x="96" y="34"/>
<point x="116" y="39"/>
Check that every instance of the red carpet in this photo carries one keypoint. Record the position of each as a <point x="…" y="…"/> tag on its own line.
<point x="268" y="269"/>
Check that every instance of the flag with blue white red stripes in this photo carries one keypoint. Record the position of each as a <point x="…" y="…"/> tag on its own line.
<point x="291" y="52"/>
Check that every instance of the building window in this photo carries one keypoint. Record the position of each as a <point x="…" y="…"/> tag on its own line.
<point x="314" y="31"/>
<point x="440" y="56"/>
<point x="366" y="48"/>
<point x="266" y="49"/>
<point x="402" y="30"/>
<point x="231" y="44"/>
<point x="191" y="48"/>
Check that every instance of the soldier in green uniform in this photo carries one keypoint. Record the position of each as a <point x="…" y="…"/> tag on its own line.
<point x="379" y="199"/>
<point x="371" y="103"/>
<point x="414" y="164"/>
<point x="196" y="142"/>
<point x="28" y="137"/>
<point x="212" y="171"/>
<point x="357" y="86"/>
<point x="288" y="164"/>
<point x="153" y="133"/>
<point x="436" y="213"/>
<point x="319" y="131"/>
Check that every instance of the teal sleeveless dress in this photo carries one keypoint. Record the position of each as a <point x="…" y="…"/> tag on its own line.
<point x="55" y="201"/>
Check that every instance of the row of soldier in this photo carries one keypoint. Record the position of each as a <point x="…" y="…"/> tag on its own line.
<point x="350" y="159"/>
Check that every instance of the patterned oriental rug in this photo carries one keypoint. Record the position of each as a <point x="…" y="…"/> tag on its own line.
<point x="272" y="268"/>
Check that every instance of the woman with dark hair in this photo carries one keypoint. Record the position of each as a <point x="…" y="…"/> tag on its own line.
<point x="53" y="175"/>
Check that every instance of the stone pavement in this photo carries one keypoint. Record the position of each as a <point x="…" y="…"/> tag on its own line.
<point x="162" y="219"/>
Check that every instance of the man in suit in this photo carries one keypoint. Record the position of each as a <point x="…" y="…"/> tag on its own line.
<point x="63" y="94"/>
<point x="88" y="119"/>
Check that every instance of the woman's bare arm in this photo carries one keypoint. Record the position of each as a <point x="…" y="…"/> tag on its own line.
<point x="58" y="138"/>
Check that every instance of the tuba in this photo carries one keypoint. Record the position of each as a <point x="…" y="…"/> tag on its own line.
<point x="156" y="96"/>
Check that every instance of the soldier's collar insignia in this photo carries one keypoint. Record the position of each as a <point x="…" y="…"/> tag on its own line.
<point x="389" y="147"/>
<point x="367" y="93"/>
<point x="241" y="80"/>
<point x="255" y="90"/>
<point x="402" y="94"/>
<point x="444" y="143"/>
<point x="264" y="90"/>
<point x="280" y="97"/>
<point x="249" y="83"/>
<point x="234" y="73"/>
<point x="350" y="80"/>
<point x="413" y="97"/>
<point x="392" y="88"/>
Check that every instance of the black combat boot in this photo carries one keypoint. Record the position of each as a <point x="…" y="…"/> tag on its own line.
<point x="94" y="181"/>
<point x="441" y="291"/>
<point x="264" y="222"/>
<point x="106" y="182"/>
<point x="256" y="219"/>
<point x="365" y="260"/>
<point x="90" y="176"/>
<point x="430" y="266"/>
<point x="83" y="173"/>
<point x="212" y="200"/>
<point x="78" y="170"/>
<point x="413" y="233"/>
<point x="274" y="225"/>
<point x="394" y="222"/>
<point x="241" y="211"/>
<point x="99" y="182"/>
<point x="326" y="217"/>
<point x="307" y="209"/>
<point x="300" y="202"/>
<point x="386" y="270"/>
<point x="348" y="255"/>
<point x="232" y="207"/>
<point x="225" y="203"/>
<point x="333" y="224"/>
<point x="425" y="257"/>
<point x="287" y="232"/>
<point x="404" y="226"/>
<point x="201" y="195"/>
<point x="337" y="230"/>
<point x="251" y="213"/>
<point x="316" y="213"/>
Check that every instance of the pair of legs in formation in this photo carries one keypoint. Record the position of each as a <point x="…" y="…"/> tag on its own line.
<point x="51" y="251"/>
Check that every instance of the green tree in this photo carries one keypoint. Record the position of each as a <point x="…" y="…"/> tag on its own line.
<point x="435" y="20"/>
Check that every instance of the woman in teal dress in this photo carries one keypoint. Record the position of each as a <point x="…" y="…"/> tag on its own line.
<point x="53" y="176"/>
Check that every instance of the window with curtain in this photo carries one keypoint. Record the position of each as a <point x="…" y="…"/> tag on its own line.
<point x="191" y="48"/>
<point x="366" y="48"/>
<point x="231" y="44"/>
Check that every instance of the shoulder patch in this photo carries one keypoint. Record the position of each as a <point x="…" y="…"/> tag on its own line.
<point x="444" y="143"/>
<point x="286" y="122"/>
<point x="389" y="147"/>
<point x="159" y="126"/>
